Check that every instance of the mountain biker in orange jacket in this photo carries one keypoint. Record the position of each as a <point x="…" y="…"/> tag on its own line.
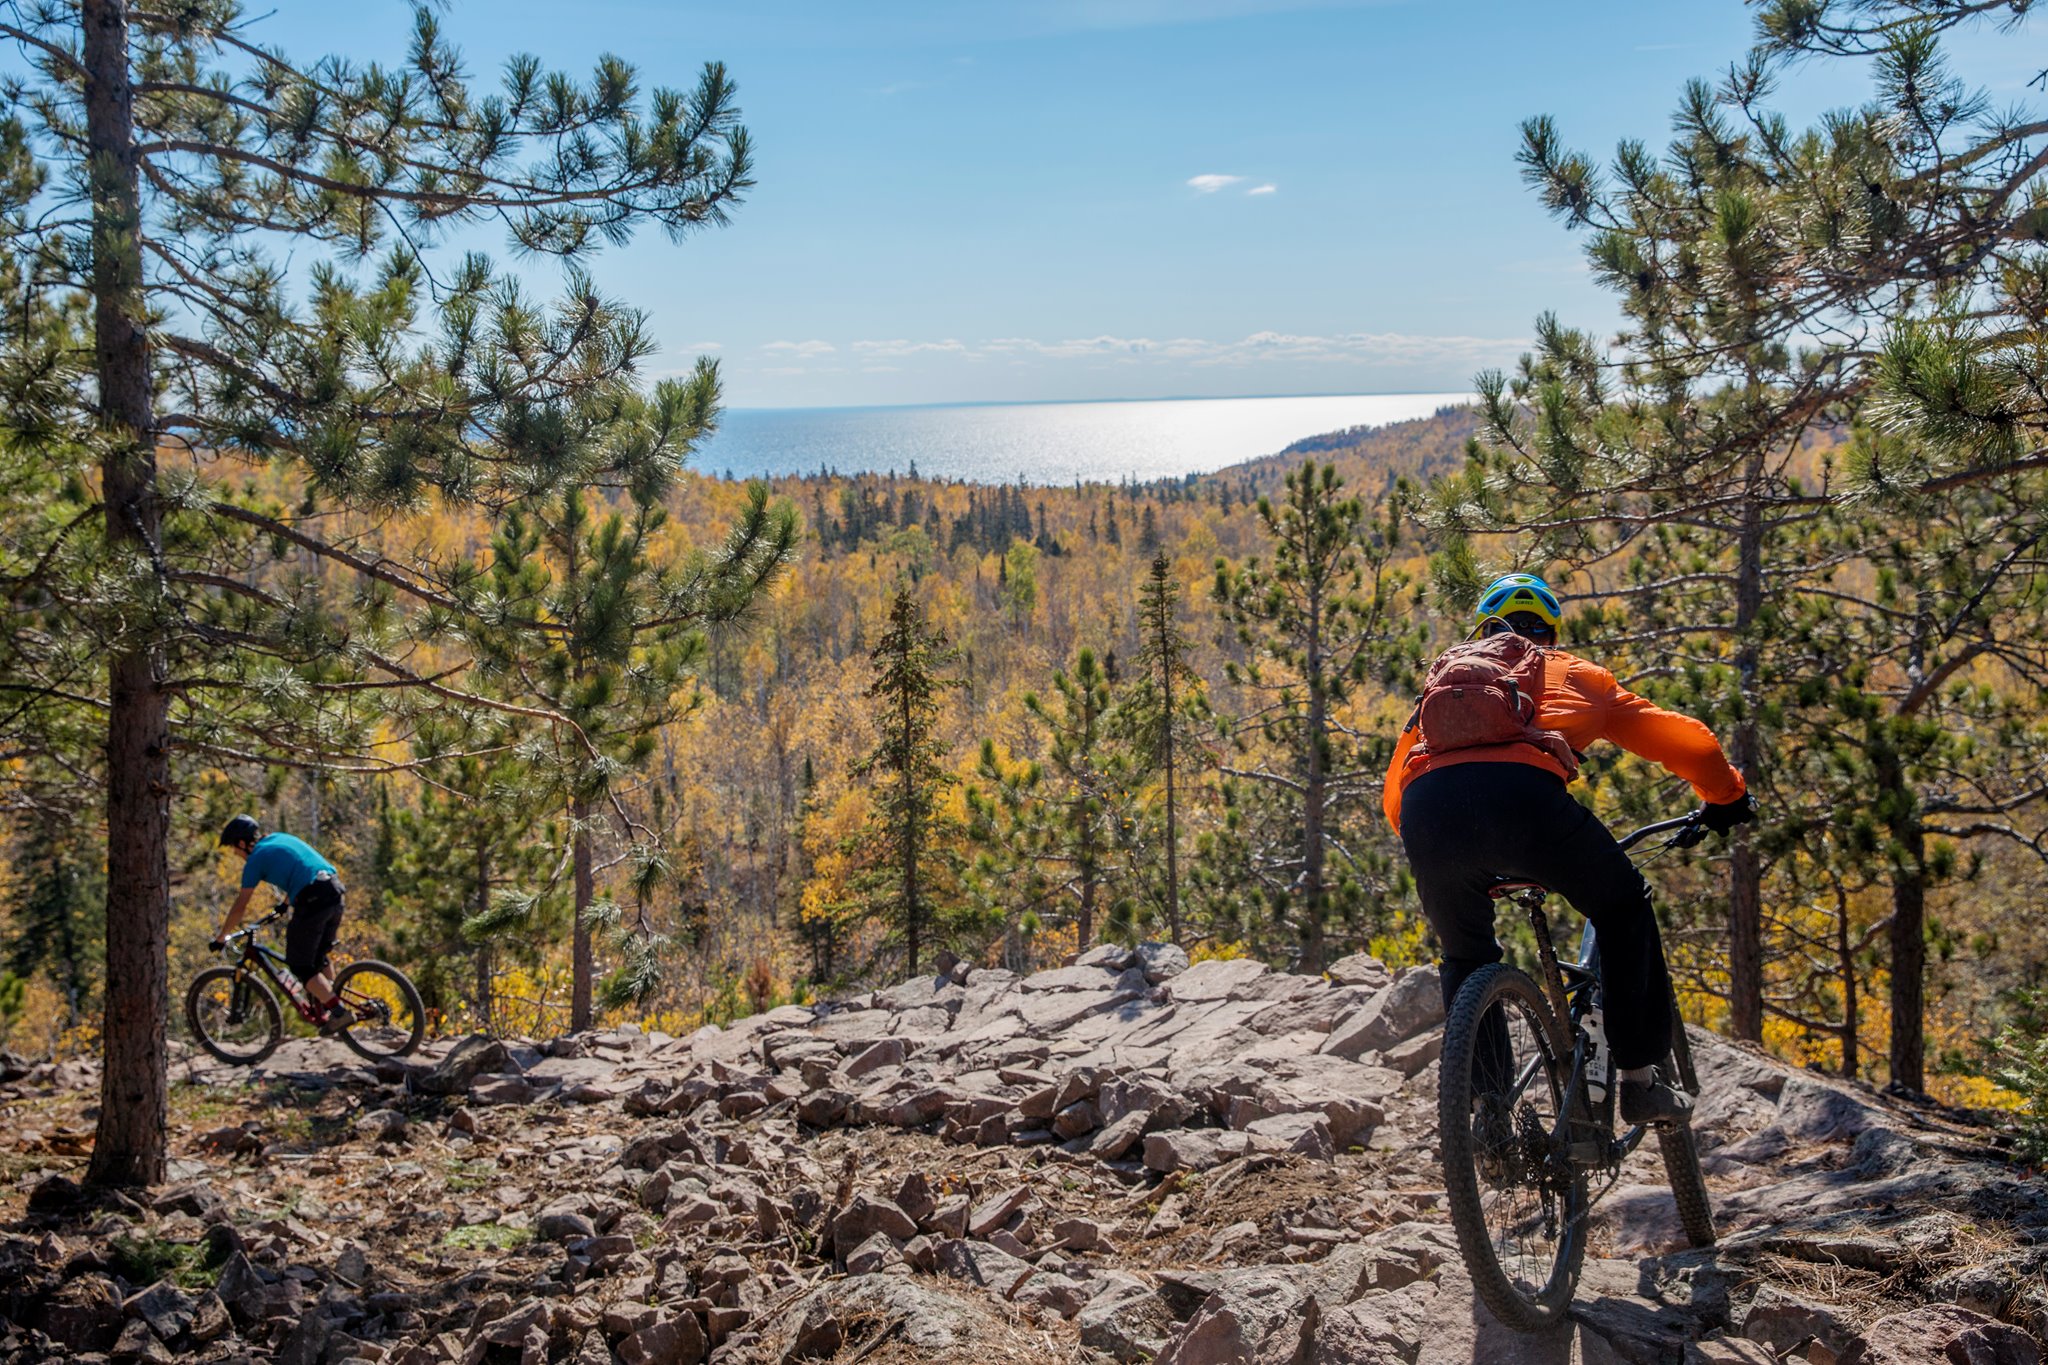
<point x="309" y="882"/>
<point x="1473" y="816"/>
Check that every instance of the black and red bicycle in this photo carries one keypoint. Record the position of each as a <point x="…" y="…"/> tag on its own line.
<point x="1527" y="1116"/>
<point x="234" y="1014"/>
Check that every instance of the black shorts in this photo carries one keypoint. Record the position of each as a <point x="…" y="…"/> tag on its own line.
<point x="309" y="934"/>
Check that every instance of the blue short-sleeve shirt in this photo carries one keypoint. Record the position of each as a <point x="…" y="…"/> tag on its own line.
<point x="287" y="863"/>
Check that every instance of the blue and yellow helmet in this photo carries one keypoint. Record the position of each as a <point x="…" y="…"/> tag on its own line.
<point x="1515" y="592"/>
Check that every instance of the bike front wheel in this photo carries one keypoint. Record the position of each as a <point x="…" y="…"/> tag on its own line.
<point x="1517" y="1200"/>
<point x="1681" y="1153"/>
<point x="390" y="1021"/>
<point x="233" y="1015"/>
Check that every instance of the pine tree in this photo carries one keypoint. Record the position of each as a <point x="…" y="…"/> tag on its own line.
<point x="1876" y="232"/>
<point x="56" y="924"/>
<point x="911" y="863"/>
<point x="1160" y="709"/>
<point x="1059" y="829"/>
<point x="199" y="152"/>
<point x="475" y="838"/>
<point x="1323" y="615"/>
<point x="603" y="635"/>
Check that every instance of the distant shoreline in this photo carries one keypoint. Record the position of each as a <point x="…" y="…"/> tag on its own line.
<point x="1086" y="402"/>
<point x="1141" y="440"/>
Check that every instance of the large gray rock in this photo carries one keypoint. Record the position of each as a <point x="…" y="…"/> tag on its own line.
<point x="1941" y="1332"/>
<point x="167" y="1309"/>
<point x="1216" y="979"/>
<point x="885" y="1052"/>
<point x="979" y="1263"/>
<point x="1256" y="1316"/>
<point x="474" y="1056"/>
<point x="1302" y="1134"/>
<point x="863" y="1217"/>
<point x="1316" y="1010"/>
<point x="996" y="1210"/>
<point x="1161" y="961"/>
<point x="677" y="1340"/>
<point x="1360" y="969"/>
<point x="1113" y="1141"/>
<point x="1113" y="956"/>
<point x="1124" y="1318"/>
<point x="1785" y="1322"/>
<point x="1351" y="1097"/>
<point x="1082" y="976"/>
<point x="1193" y="1149"/>
<point x="1813" y="1110"/>
<point x="1049" y="1013"/>
<point x="1413" y="1003"/>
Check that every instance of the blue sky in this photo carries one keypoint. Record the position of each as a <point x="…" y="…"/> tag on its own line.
<point x="1054" y="199"/>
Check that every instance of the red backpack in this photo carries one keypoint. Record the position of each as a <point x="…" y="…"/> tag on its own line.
<point x="1487" y="691"/>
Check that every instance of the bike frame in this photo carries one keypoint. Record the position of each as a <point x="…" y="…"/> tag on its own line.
<point x="267" y="961"/>
<point x="1585" y="1127"/>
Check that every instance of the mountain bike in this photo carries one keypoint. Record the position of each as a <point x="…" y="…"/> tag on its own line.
<point x="235" y="1015"/>
<point x="1526" y="1129"/>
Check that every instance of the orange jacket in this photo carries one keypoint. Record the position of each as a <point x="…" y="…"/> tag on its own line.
<point x="1583" y="702"/>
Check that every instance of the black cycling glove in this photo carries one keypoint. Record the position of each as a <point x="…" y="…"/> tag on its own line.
<point x="1726" y="815"/>
<point x="218" y="944"/>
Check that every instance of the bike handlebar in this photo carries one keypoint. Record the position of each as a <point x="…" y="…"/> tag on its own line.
<point x="249" y="930"/>
<point x="1691" y="830"/>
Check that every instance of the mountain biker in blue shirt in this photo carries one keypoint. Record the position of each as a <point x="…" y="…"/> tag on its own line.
<point x="308" y="881"/>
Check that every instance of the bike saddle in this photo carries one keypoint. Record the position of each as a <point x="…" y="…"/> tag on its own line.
<point x="1501" y="887"/>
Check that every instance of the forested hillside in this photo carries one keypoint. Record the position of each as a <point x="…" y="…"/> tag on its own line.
<point x="769" y="824"/>
<point x="394" y="555"/>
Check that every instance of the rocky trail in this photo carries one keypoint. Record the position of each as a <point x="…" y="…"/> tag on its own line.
<point x="1125" y="1159"/>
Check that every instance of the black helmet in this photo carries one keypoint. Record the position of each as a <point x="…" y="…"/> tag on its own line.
<point x="243" y="829"/>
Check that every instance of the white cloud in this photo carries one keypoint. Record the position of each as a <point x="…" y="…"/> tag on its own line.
<point x="1263" y="189"/>
<point x="1209" y="184"/>
<point x="801" y="348"/>
<point x="900" y="347"/>
<point x="697" y="347"/>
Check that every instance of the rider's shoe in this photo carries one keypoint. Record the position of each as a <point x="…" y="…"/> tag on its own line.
<point x="1656" y="1102"/>
<point x="338" y="1017"/>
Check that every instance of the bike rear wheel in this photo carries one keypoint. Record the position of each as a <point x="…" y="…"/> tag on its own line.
<point x="1681" y="1153"/>
<point x="390" y="1020"/>
<point x="1517" y="1201"/>
<point x="233" y="1015"/>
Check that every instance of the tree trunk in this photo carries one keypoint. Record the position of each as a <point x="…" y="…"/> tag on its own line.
<point x="1745" y="890"/>
<point x="1172" y="827"/>
<point x="1845" y="954"/>
<point x="583" y="966"/>
<point x="1086" y="926"/>
<point x="912" y="819"/>
<point x="1909" y="921"/>
<point x="129" y="1146"/>
<point x="486" y="952"/>
<point x="1312" y="798"/>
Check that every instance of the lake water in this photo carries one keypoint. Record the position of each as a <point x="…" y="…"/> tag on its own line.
<point x="1043" y="443"/>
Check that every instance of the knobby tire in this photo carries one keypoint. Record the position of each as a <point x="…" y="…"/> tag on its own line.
<point x="401" y="1035"/>
<point x="1514" y="1307"/>
<point x="1681" y="1153"/>
<point x="255" y="996"/>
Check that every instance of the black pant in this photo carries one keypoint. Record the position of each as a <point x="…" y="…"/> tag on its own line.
<point x="309" y="934"/>
<point x="1468" y="824"/>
